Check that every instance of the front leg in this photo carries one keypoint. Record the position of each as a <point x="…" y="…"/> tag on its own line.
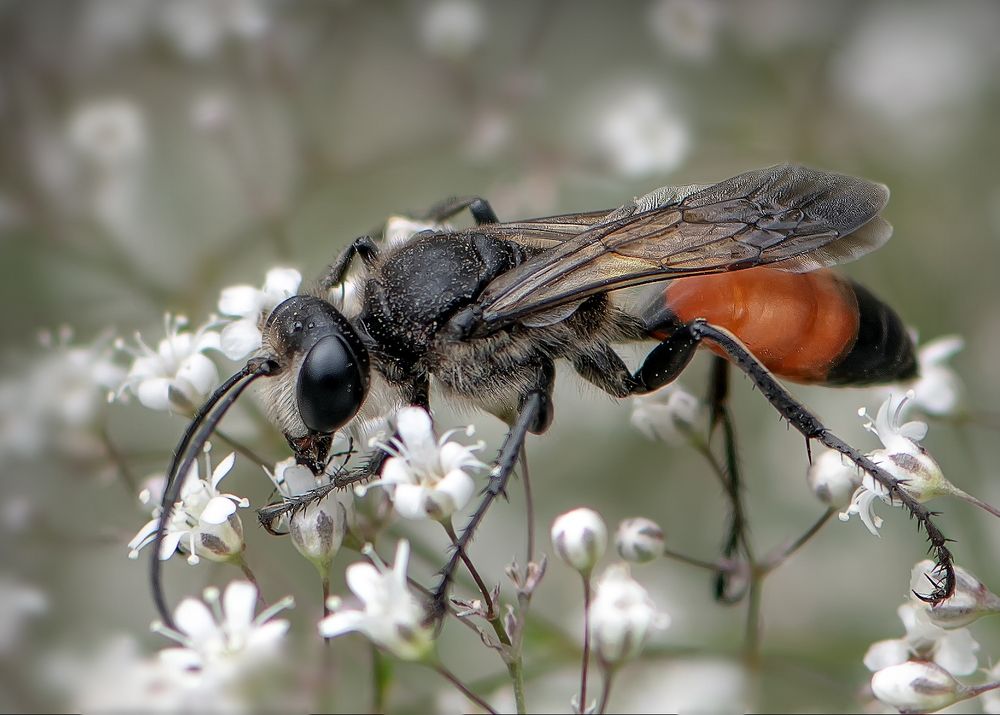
<point x="418" y="396"/>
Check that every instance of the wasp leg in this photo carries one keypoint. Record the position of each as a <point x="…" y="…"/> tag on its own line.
<point x="668" y="359"/>
<point x="534" y="415"/>
<point x="363" y="247"/>
<point x="718" y="396"/>
<point x="479" y="207"/>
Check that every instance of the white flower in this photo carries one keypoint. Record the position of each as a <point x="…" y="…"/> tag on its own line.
<point x="970" y="600"/>
<point x="390" y="616"/>
<point x="317" y="531"/>
<point x="903" y="458"/>
<point x="211" y="111"/>
<point x="991" y="699"/>
<point x="621" y="615"/>
<point x="177" y="374"/>
<point x="199" y="27"/>
<point x="203" y="523"/>
<point x="452" y="28"/>
<point x="224" y="639"/>
<point x="916" y="686"/>
<point x="639" y="540"/>
<point x="249" y="306"/>
<point x="668" y="414"/>
<point x="687" y="28"/>
<point x="954" y="650"/>
<point x="580" y="538"/>
<point x="833" y="478"/>
<point x="427" y="478"/>
<point x="639" y="133"/>
<point x="109" y="132"/>
<point x="20" y="602"/>
<point x="938" y="390"/>
<point x="118" y="678"/>
<point x="888" y="425"/>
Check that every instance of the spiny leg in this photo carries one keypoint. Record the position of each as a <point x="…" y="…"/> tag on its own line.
<point x="534" y="415"/>
<point x="720" y="416"/>
<point x="670" y="357"/>
<point x="419" y="396"/>
<point x="363" y="247"/>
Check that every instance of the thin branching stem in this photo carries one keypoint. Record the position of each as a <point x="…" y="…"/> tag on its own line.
<point x="586" y="642"/>
<point x="453" y="679"/>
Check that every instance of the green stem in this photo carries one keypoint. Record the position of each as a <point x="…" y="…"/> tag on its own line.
<point x="381" y="679"/>
<point x="245" y="568"/>
<point x="586" y="642"/>
<point x="609" y="678"/>
<point x="751" y="643"/>
<point x="773" y="560"/>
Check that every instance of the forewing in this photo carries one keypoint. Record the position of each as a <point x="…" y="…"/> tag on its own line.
<point x="792" y="216"/>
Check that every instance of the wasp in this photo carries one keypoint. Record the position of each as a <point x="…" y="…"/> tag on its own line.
<point x="481" y="316"/>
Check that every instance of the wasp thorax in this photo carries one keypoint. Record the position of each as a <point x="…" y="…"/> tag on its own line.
<point x="333" y="367"/>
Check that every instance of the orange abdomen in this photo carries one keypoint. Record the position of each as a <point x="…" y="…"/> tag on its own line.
<point x="798" y="324"/>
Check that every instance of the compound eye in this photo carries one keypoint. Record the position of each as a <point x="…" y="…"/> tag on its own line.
<point x="331" y="385"/>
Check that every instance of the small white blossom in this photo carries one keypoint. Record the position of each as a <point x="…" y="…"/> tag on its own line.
<point x="249" y="306"/>
<point x="203" y="523"/>
<point x="686" y="28"/>
<point x="916" y="686"/>
<point x="954" y="650"/>
<point x="639" y="540"/>
<point x="177" y="374"/>
<point x="833" y="478"/>
<point x="580" y="537"/>
<point x="426" y="477"/>
<point x="621" y="615"/>
<point x="903" y="458"/>
<point x="224" y="639"/>
<point x="390" y="615"/>
<point x="639" y="133"/>
<point x="316" y="531"/>
<point x="20" y="603"/>
<point x="971" y="599"/>
<point x="211" y="111"/>
<point x="938" y="390"/>
<point x="198" y="28"/>
<point x="990" y="700"/>
<point x="110" y="133"/>
<point x="668" y="414"/>
<point x="452" y="28"/>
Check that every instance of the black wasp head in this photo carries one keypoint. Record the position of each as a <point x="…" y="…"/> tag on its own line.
<point x="333" y="375"/>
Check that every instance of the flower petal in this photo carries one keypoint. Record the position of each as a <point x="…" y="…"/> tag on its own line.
<point x="885" y="653"/>
<point x="238" y="603"/>
<point x="200" y="372"/>
<point x="239" y="339"/>
<point x="281" y="283"/>
<point x="341" y="622"/>
<point x="222" y="469"/>
<point x="396" y="471"/>
<point x="154" y="393"/>
<point x="218" y="510"/>
<point x="364" y="580"/>
<point x="956" y="652"/>
<point x="409" y="501"/>
<point x="194" y="619"/>
<point x="459" y="486"/>
<point x="241" y="300"/>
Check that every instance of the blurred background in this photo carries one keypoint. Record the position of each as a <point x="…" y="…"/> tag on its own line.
<point x="153" y="153"/>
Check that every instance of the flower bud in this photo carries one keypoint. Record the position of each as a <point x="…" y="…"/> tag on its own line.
<point x="916" y="686"/>
<point x="920" y="474"/>
<point x="669" y="414"/>
<point x="639" y="540"/>
<point x="218" y="542"/>
<point x="970" y="600"/>
<point x="621" y="615"/>
<point x="318" y="531"/>
<point x="833" y="478"/>
<point x="580" y="538"/>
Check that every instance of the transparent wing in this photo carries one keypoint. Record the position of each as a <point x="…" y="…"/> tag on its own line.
<point x="796" y="218"/>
